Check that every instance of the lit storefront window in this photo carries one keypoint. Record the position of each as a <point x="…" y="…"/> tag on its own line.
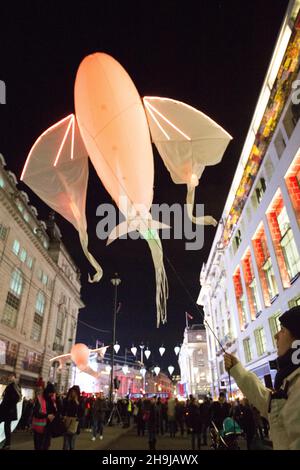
<point x="260" y="340"/>
<point x="270" y="278"/>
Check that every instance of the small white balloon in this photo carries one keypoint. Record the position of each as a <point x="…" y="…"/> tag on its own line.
<point x="157" y="370"/>
<point x="134" y="350"/>
<point x="116" y="348"/>
<point x="147" y="353"/>
<point x="143" y="371"/>
<point x="171" y="370"/>
<point x="125" y="369"/>
<point x="161" y="350"/>
<point x="177" y="349"/>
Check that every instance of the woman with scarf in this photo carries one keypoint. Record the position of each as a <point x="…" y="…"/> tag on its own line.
<point x="280" y="406"/>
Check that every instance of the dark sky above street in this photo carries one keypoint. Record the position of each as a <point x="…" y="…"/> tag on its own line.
<point x="210" y="54"/>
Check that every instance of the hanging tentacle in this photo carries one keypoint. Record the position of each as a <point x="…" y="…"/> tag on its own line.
<point x="84" y="243"/>
<point x="162" y="289"/>
<point x="190" y="200"/>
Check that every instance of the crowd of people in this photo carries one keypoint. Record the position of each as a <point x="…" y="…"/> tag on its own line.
<point x="51" y="415"/>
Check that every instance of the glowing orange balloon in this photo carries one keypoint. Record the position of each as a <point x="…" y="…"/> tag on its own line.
<point x="114" y="128"/>
<point x="80" y="354"/>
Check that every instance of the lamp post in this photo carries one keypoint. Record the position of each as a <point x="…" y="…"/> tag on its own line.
<point x="143" y="367"/>
<point x="116" y="281"/>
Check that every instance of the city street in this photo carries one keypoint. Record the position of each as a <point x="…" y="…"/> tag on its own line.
<point x="115" y="438"/>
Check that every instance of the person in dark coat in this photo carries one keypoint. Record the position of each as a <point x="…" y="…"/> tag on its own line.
<point x="247" y="422"/>
<point x="220" y="410"/>
<point x="205" y="408"/>
<point x="8" y="408"/>
<point x="194" y="422"/>
<point x="98" y="416"/>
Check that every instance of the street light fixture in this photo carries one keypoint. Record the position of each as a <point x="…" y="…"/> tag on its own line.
<point x="162" y="350"/>
<point x="171" y="370"/>
<point x="116" y="281"/>
<point x="116" y="347"/>
<point x="134" y="350"/>
<point x="177" y="349"/>
<point x="156" y="370"/>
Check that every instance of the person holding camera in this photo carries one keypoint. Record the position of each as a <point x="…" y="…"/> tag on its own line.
<point x="281" y="405"/>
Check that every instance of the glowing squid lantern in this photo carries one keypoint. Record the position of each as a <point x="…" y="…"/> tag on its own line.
<point x="187" y="140"/>
<point x="114" y="128"/>
<point x="56" y="169"/>
<point x="80" y="354"/>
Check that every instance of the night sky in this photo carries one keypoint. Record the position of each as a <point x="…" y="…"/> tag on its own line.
<point x="210" y="54"/>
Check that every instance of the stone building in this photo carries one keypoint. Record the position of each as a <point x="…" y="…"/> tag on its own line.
<point x="39" y="290"/>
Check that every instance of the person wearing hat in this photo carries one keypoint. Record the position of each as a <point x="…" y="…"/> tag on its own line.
<point x="281" y="405"/>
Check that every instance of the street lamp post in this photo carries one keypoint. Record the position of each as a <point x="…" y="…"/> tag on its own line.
<point x="115" y="282"/>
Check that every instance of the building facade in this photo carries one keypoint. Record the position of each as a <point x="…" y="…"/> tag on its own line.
<point x="39" y="290"/>
<point x="252" y="274"/>
<point x="126" y="371"/>
<point x="193" y="362"/>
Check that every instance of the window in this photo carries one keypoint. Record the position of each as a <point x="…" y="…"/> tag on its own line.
<point x="13" y="299"/>
<point x="290" y="119"/>
<point x="38" y="317"/>
<point x="3" y="232"/>
<point x="255" y="296"/>
<point x="238" y="239"/>
<point x="16" y="247"/>
<point x="260" y="190"/>
<point x="270" y="278"/>
<point x="295" y="301"/>
<point x="44" y="279"/>
<point x="279" y="143"/>
<point x="260" y="340"/>
<point x="274" y="324"/>
<point x="247" y="350"/>
<point x="243" y="309"/>
<point x="23" y="255"/>
<point x="29" y="262"/>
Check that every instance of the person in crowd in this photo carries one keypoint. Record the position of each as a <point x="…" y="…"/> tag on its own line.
<point x="8" y="407"/>
<point x="150" y="418"/>
<point x="171" y="412"/>
<point x="194" y="422"/>
<point x="280" y="406"/>
<point x="98" y="416"/>
<point x="140" y="423"/>
<point x="179" y="416"/>
<point x="71" y="412"/>
<point x="220" y="410"/>
<point x="205" y="408"/>
<point x="39" y="419"/>
<point x="246" y="421"/>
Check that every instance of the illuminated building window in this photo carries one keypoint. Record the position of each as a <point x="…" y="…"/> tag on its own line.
<point x="251" y="285"/>
<point x="260" y="340"/>
<point x="16" y="247"/>
<point x="279" y="143"/>
<point x="13" y="299"/>
<point x="38" y="317"/>
<point x="294" y="302"/>
<point x="292" y="180"/>
<point x="260" y="190"/>
<point x="283" y="242"/>
<point x="274" y="324"/>
<point x="247" y="350"/>
<point x="23" y="255"/>
<point x="271" y="280"/>
<point x="291" y="118"/>
<point x="238" y="239"/>
<point x="240" y="299"/>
